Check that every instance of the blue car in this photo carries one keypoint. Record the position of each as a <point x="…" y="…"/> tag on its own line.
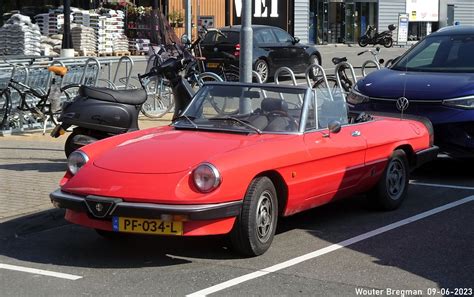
<point x="437" y="78"/>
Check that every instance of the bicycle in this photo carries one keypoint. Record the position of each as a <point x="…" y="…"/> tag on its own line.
<point x="337" y="81"/>
<point x="44" y="109"/>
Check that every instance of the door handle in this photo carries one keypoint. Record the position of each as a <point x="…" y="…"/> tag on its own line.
<point x="356" y="133"/>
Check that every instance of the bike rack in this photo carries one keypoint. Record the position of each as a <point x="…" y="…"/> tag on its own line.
<point x="320" y="69"/>
<point x="93" y="75"/>
<point x="293" y="79"/>
<point x="259" y="80"/>
<point x="127" y="70"/>
<point x="364" y="65"/>
<point x="338" y="78"/>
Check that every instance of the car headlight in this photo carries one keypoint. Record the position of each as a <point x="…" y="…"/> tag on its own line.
<point x="463" y="102"/>
<point x="76" y="160"/>
<point x="355" y="97"/>
<point x="206" y="177"/>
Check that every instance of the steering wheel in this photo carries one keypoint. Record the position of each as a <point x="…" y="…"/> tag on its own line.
<point x="362" y="117"/>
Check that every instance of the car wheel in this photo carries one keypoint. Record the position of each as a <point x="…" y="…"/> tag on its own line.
<point x="392" y="187"/>
<point x="255" y="227"/>
<point x="314" y="71"/>
<point x="261" y="67"/>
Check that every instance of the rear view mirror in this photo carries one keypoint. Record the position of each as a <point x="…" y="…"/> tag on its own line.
<point x="334" y="127"/>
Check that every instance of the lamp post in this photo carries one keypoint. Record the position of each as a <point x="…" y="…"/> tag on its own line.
<point x="67" y="49"/>
<point x="246" y="42"/>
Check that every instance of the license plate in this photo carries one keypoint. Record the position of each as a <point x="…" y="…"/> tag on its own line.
<point x="212" y="65"/>
<point x="147" y="226"/>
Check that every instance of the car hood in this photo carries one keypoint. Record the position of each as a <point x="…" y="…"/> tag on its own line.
<point x="168" y="152"/>
<point x="388" y="83"/>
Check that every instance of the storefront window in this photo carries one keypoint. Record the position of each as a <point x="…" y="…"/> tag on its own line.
<point x="336" y="21"/>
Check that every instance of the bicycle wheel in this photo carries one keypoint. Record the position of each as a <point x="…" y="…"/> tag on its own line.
<point x="160" y="99"/>
<point x="324" y="91"/>
<point x="4" y="108"/>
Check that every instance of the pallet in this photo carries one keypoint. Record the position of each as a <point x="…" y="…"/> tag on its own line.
<point x="105" y="54"/>
<point x="121" y="53"/>
<point x="87" y="54"/>
<point x="138" y="53"/>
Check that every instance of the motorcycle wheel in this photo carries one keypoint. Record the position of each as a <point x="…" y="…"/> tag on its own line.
<point x="363" y="41"/>
<point x="388" y="42"/>
<point x="71" y="142"/>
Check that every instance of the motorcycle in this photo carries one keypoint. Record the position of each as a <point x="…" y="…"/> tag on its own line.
<point x="98" y="112"/>
<point x="372" y="37"/>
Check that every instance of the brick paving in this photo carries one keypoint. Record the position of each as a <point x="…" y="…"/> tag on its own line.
<point x="31" y="166"/>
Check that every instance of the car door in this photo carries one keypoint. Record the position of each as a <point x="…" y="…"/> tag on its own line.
<point x="266" y="45"/>
<point x="337" y="160"/>
<point x="294" y="54"/>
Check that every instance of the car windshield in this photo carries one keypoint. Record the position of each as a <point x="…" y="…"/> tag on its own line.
<point x="440" y="54"/>
<point x="244" y="108"/>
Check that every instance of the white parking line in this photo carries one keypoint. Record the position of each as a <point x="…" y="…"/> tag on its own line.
<point x="326" y="250"/>
<point x="414" y="182"/>
<point x="40" y="271"/>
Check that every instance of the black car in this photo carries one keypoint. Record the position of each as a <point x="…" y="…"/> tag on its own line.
<point x="272" y="49"/>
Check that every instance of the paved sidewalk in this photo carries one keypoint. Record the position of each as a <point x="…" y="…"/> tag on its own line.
<point x="31" y="166"/>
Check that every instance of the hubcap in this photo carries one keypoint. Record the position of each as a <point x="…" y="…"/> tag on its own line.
<point x="395" y="179"/>
<point x="314" y="70"/>
<point x="262" y="69"/>
<point x="265" y="216"/>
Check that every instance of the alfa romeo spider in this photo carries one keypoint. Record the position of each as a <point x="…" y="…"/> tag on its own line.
<point x="238" y="158"/>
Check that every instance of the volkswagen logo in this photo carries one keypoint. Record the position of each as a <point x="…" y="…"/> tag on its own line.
<point x="99" y="207"/>
<point x="402" y="104"/>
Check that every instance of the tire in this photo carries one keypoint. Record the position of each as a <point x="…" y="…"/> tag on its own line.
<point x="392" y="187"/>
<point x="363" y="41"/>
<point x="313" y="59"/>
<point x="260" y="204"/>
<point x="159" y="101"/>
<point x="388" y="42"/>
<point x="325" y="91"/>
<point x="261" y="67"/>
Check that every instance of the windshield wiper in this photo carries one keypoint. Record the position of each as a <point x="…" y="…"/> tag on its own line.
<point x="188" y="119"/>
<point x="246" y="124"/>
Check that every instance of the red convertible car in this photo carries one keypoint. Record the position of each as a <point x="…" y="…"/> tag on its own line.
<point x="239" y="157"/>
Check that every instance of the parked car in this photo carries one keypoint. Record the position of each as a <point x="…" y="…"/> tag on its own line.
<point x="272" y="49"/>
<point x="437" y="78"/>
<point x="240" y="156"/>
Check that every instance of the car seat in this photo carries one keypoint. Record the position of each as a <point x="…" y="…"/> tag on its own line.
<point x="276" y="111"/>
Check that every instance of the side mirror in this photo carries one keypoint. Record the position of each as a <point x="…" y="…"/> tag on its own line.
<point x="334" y="127"/>
<point x="185" y="39"/>
<point x="296" y="40"/>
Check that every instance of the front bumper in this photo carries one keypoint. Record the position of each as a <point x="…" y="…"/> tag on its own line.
<point x="106" y="208"/>
<point x="426" y="155"/>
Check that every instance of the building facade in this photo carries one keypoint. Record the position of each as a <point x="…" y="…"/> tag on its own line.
<point x="344" y="21"/>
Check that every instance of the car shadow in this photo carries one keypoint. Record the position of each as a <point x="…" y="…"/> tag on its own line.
<point x="53" y="165"/>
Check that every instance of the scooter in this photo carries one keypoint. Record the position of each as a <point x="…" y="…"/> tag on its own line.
<point x="372" y="37"/>
<point x="98" y="113"/>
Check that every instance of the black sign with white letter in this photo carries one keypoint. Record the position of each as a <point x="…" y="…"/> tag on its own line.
<point x="265" y="12"/>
